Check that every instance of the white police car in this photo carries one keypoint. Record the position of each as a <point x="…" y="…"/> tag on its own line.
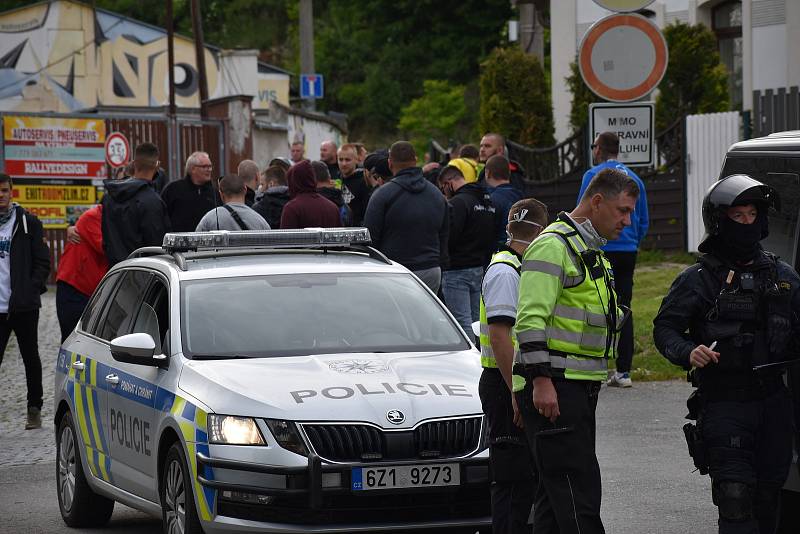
<point x="279" y="381"/>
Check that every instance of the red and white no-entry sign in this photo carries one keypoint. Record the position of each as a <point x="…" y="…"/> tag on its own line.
<point x="623" y="57"/>
<point x="118" y="150"/>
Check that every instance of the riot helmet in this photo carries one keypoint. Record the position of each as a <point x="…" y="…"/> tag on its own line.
<point x="735" y="190"/>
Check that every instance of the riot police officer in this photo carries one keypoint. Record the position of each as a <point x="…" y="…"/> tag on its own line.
<point x="728" y="319"/>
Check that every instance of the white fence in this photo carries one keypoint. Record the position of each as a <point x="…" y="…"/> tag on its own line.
<point x="708" y="138"/>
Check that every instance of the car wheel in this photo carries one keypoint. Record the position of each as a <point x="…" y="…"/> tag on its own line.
<point x="79" y="505"/>
<point x="177" y="498"/>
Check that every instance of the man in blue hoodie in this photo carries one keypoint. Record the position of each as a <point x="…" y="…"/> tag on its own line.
<point x="621" y="252"/>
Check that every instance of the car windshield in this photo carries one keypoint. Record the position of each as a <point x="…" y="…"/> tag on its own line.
<point x="304" y="314"/>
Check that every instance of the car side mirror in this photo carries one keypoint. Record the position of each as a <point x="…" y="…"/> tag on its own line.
<point x="138" y="348"/>
<point x="476" y="329"/>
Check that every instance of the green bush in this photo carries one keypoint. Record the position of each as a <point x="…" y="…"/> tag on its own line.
<point x="696" y="80"/>
<point x="582" y="96"/>
<point x="515" y="98"/>
<point x="438" y="113"/>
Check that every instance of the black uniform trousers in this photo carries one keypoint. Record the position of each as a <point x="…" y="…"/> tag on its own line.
<point x="512" y="473"/>
<point x="623" y="264"/>
<point x="749" y="442"/>
<point x="26" y="327"/>
<point x="70" y="304"/>
<point x="569" y="489"/>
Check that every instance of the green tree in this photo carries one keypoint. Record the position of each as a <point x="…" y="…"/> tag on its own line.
<point x="438" y="113"/>
<point x="515" y="98"/>
<point x="696" y="80"/>
<point x="582" y="96"/>
<point x="375" y="54"/>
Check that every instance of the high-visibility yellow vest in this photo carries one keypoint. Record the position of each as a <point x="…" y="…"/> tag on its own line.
<point x="566" y="316"/>
<point x="487" y="353"/>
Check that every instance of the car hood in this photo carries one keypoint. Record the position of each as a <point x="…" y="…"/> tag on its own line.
<point x="340" y="387"/>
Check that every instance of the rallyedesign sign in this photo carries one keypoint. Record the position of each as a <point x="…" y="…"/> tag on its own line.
<point x="47" y="147"/>
<point x="633" y="124"/>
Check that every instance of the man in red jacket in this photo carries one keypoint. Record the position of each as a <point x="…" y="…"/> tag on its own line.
<point x="80" y="269"/>
<point x="307" y="208"/>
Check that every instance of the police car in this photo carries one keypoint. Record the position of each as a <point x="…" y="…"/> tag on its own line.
<point x="775" y="161"/>
<point x="278" y="381"/>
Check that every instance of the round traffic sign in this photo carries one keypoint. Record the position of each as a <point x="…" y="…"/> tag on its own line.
<point x="623" y="6"/>
<point x="623" y="57"/>
<point x="118" y="150"/>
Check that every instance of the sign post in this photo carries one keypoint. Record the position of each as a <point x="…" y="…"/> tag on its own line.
<point x="312" y="86"/>
<point x="633" y="124"/>
<point x="622" y="58"/>
<point x="118" y="150"/>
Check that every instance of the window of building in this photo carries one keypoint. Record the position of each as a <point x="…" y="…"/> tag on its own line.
<point x="726" y="21"/>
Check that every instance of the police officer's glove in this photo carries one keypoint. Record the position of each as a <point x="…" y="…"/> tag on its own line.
<point x="779" y="318"/>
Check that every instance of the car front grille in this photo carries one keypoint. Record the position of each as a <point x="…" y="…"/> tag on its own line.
<point x="359" y="442"/>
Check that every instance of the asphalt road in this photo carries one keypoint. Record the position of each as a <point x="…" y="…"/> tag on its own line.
<point x="647" y="477"/>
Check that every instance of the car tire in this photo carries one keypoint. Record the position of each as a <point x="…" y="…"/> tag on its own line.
<point x="79" y="505"/>
<point x="178" y="510"/>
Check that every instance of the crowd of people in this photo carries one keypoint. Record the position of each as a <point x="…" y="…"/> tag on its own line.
<point x="551" y="299"/>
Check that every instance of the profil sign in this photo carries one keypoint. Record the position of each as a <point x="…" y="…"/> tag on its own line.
<point x="633" y="124"/>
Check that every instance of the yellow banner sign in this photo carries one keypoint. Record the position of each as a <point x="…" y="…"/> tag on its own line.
<point x="54" y="194"/>
<point x="57" y="216"/>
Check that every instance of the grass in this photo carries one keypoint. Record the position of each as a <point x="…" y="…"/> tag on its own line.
<point x="651" y="282"/>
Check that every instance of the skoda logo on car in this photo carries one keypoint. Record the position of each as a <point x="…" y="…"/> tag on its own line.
<point x="395" y="417"/>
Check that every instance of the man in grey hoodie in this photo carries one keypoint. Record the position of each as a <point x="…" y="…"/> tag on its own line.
<point x="408" y="218"/>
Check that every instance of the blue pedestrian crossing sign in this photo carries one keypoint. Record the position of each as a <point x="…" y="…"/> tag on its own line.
<point x="311" y="86"/>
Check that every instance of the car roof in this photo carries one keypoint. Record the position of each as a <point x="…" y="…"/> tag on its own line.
<point x="264" y="262"/>
<point x="788" y="141"/>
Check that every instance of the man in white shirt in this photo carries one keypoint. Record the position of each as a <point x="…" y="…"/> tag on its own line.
<point x="24" y="268"/>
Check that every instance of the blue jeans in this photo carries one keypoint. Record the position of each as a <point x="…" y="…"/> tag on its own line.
<point x="462" y="294"/>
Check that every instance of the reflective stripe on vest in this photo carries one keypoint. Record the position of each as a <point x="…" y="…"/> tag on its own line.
<point x="576" y="331"/>
<point x="487" y="354"/>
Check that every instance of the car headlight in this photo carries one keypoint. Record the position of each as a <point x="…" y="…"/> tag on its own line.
<point x="232" y="430"/>
<point x="287" y="436"/>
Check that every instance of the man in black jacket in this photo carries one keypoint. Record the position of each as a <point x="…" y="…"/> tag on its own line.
<point x="471" y="243"/>
<point x="189" y="199"/>
<point x="133" y="214"/>
<point x="272" y="196"/>
<point x="493" y="144"/>
<point x="24" y="267"/>
<point x="407" y="218"/>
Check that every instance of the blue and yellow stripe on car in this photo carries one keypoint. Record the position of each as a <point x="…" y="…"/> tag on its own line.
<point x="82" y="389"/>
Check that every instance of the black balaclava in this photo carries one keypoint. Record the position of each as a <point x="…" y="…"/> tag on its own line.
<point x="740" y="242"/>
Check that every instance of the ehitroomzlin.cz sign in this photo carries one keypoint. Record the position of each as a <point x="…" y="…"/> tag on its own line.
<point x="633" y="124"/>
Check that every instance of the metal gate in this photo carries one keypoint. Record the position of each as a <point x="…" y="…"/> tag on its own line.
<point x="556" y="173"/>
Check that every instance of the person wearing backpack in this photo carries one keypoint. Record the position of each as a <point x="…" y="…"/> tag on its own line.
<point x="234" y="214"/>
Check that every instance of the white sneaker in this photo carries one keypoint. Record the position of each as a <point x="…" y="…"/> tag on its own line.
<point x="620" y="380"/>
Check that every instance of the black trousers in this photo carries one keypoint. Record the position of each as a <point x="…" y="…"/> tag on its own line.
<point x="512" y="472"/>
<point x="623" y="264"/>
<point x="569" y="489"/>
<point x="25" y="325"/>
<point x="70" y="304"/>
<point x="749" y="451"/>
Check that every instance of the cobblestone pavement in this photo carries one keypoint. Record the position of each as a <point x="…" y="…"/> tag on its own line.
<point x="17" y="445"/>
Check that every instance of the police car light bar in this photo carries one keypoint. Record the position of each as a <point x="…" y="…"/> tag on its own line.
<point x="306" y="237"/>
